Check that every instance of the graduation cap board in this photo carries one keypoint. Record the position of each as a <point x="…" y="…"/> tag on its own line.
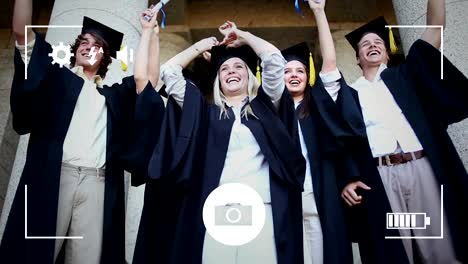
<point x="220" y="54"/>
<point x="300" y="52"/>
<point x="111" y="36"/>
<point x="376" y="26"/>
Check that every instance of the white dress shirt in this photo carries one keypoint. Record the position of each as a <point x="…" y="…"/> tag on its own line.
<point x="86" y="139"/>
<point x="85" y="143"/>
<point x="245" y="162"/>
<point x="388" y="130"/>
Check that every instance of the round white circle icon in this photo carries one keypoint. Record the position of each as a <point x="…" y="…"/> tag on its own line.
<point x="234" y="214"/>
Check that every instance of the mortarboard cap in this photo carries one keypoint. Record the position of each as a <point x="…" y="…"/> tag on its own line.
<point x="301" y="53"/>
<point x="376" y="26"/>
<point x="111" y="36"/>
<point x="220" y="54"/>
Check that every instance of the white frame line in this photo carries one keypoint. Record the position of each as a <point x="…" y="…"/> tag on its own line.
<point x="441" y="27"/>
<point x="26" y="41"/>
<point x="26" y="222"/>
<point x="441" y="222"/>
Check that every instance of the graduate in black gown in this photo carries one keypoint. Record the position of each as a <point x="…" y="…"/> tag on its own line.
<point x="326" y="238"/>
<point x="406" y="111"/>
<point x="204" y="143"/>
<point x="53" y="105"/>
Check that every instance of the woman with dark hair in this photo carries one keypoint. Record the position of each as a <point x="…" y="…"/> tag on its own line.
<point x="325" y="231"/>
<point x="237" y="138"/>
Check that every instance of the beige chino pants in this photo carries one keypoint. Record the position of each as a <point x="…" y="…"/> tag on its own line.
<point x="80" y="213"/>
<point x="412" y="188"/>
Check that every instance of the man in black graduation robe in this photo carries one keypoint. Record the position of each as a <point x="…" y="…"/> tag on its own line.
<point x="430" y="105"/>
<point x="43" y="105"/>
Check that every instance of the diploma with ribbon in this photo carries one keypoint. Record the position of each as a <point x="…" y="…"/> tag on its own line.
<point x="159" y="6"/>
<point x="298" y="8"/>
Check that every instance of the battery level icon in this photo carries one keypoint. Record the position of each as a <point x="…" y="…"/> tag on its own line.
<point x="407" y="220"/>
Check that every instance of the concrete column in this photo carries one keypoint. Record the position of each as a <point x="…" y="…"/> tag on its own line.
<point x="455" y="48"/>
<point x="121" y="15"/>
<point x="8" y="138"/>
<point x="346" y="56"/>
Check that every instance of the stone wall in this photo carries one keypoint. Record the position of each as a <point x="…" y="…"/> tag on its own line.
<point x="8" y="138"/>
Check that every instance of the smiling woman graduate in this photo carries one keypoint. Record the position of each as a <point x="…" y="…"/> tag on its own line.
<point x="238" y="138"/>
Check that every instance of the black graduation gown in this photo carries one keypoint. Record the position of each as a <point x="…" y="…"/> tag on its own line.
<point x="366" y="222"/>
<point x="43" y="106"/>
<point x="327" y="164"/>
<point x="191" y="153"/>
<point x="430" y="105"/>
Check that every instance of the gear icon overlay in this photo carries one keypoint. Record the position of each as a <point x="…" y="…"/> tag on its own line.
<point x="64" y="58"/>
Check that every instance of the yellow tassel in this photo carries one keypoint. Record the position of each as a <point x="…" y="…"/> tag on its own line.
<point x="393" y="46"/>
<point x="311" y="70"/>
<point x="258" y="75"/>
<point x="123" y="65"/>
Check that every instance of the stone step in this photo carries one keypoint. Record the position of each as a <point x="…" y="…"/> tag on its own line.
<point x="7" y="53"/>
<point x="6" y="57"/>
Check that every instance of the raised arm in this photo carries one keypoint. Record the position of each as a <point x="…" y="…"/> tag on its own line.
<point x="184" y="58"/>
<point x="329" y="74"/>
<point x="22" y="14"/>
<point x="327" y="47"/>
<point x="142" y="69"/>
<point x="435" y="17"/>
<point x="153" y="64"/>
<point x="171" y="71"/>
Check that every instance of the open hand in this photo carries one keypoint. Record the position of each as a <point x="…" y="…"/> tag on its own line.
<point x="349" y="193"/>
<point x="231" y="35"/>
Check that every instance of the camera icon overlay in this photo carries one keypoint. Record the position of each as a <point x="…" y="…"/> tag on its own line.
<point x="234" y="214"/>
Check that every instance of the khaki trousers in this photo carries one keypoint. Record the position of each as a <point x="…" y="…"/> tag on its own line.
<point x="80" y="213"/>
<point x="412" y="188"/>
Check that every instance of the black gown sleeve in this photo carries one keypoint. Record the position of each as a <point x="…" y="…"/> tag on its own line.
<point x="145" y="112"/>
<point x="344" y="121"/>
<point x="450" y="95"/>
<point x="25" y="98"/>
<point x="279" y="126"/>
<point x="343" y="117"/>
<point x="182" y="132"/>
